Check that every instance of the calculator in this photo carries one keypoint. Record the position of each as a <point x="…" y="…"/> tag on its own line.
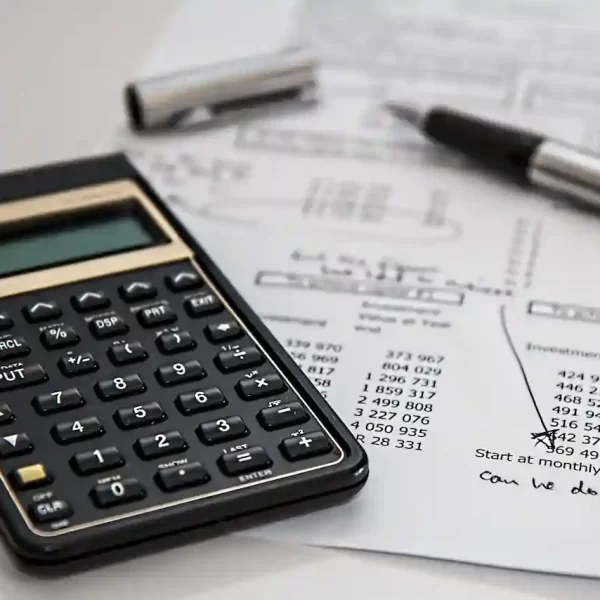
<point x="140" y="396"/>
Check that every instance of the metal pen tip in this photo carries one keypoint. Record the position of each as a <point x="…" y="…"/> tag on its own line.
<point x="411" y="113"/>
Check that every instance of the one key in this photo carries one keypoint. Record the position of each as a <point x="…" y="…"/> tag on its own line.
<point x="222" y="430"/>
<point x="119" y="387"/>
<point x="310" y="444"/>
<point x="96" y="461"/>
<point x="76" y="431"/>
<point x="18" y="377"/>
<point x="252" y="459"/>
<point x="127" y="353"/>
<point x="240" y="358"/>
<point x="183" y="476"/>
<point x="180" y="372"/>
<point x="106" y="327"/>
<point x="53" y="402"/>
<point x="198" y="401"/>
<point x="30" y="476"/>
<point x="59" y="337"/>
<point x="284" y="415"/>
<point x="183" y="281"/>
<point x="13" y="347"/>
<point x="137" y="290"/>
<point x="206" y="304"/>
<point x="260" y="386"/>
<point x="156" y="315"/>
<point x="140" y="416"/>
<point x="161" y="444"/>
<point x="5" y="322"/>
<point x="176" y="341"/>
<point x="42" y="311"/>
<point x="106" y="495"/>
<point x="89" y="301"/>
<point x="49" y="511"/>
<point x="6" y="414"/>
<point x="74" y="365"/>
<point x="14" y="445"/>
<point x="223" y="332"/>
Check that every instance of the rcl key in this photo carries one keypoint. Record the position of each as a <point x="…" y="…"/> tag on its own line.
<point x="17" y="377"/>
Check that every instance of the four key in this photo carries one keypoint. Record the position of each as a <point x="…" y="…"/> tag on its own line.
<point x="77" y="431"/>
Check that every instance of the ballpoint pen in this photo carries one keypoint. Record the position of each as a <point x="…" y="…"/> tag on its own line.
<point x="524" y="156"/>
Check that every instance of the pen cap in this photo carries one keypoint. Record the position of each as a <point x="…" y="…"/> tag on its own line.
<point x="214" y="91"/>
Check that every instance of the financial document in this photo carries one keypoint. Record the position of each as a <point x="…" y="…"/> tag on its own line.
<point x="452" y="321"/>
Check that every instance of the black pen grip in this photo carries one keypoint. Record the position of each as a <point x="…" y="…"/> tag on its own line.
<point x="497" y="147"/>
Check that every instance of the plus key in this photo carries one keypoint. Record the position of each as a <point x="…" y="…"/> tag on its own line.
<point x="260" y="386"/>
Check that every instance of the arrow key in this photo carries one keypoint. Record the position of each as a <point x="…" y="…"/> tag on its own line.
<point x="223" y="331"/>
<point x="137" y="290"/>
<point x="89" y="301"/>
<point x="6" y="415"/>
<point x="15" y="444"/>
<point x="42" y="311"/>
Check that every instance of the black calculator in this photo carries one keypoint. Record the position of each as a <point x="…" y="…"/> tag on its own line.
<point x="140" y="396"/>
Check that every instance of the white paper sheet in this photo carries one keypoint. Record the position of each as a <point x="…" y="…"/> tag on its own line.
<point x="450" y="319"/>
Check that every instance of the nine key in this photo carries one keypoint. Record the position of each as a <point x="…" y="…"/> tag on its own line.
<point x="190" y="370"/>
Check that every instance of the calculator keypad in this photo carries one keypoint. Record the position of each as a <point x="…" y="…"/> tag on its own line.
<point x="139" y="390"/>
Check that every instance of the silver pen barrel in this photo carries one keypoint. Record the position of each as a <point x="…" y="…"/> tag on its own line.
<point x="565" y="170"/>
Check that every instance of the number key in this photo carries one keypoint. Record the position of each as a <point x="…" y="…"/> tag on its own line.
<point x="53" y="402"/>
<point x="191" y="403"/>
<point x="161" y="444"/>
<point x="76" y="431"/>
<point x="190" y="370"/>
<point x="140" y="416"/>
<point x="95" y="461"/>
<point x="119" y="387"/>
<point x="222" y="430"/>
<point x="117" y="492"/>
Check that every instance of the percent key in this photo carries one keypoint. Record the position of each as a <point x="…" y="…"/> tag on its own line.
<point x="59" y="337"/>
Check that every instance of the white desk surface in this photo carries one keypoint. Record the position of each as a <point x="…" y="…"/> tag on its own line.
<point x="62" y="67"/>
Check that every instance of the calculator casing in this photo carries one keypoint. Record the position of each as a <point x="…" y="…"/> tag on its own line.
<point x="246" y="505"/>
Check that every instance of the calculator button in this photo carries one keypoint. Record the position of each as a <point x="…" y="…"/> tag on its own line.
<point x="30" y="476"/>
<point x="18" y="377"/>
<point x="284" y="415"/>
<point x="89" y="301"/>
<point x="191" y="403"/>
<point x="42" y="311"/>
<point x="53" y="402"/>
<point x="161" y="444"/>
<point x="182" y="281"/>
<point x="190" y="370"/>
<point x="173" y="342"/>
<point x="222" y="332"/>
<point x="5" y="322"/>
<point x="105" y="327"/>
<point x="59" y="337"/>
<point x="252" y="459"/>
<point x="222" y="430"/>
<point x="6" y="415"/>
<point x="15" y="444"/>
<point x="95" y="461"/>
<point x="240" y="358"/>
<point x="76" y="431"/>
<point x="206" y="304"/>
<point x="175" y="478"/>
<point x="140" y="416"/>
<point x="156" y="315"/>
<point x="77" y="364"/>
<point x="117" y="492"/>
<point x="260" y="386"/>
<point x="119" y="387"/>
<point x="13" y="347"/>
<point x="50" y="510"/>
<point x="127" y="353"/>
<point x="137" y="290"/>
<point x="310" y="444"/>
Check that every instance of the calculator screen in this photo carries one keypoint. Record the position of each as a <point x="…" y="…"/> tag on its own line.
<point x="72" y="237"/>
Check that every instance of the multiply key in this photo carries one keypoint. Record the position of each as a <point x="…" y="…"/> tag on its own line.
<point x="260" y="386"/>
<point x="17" y="377"/>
